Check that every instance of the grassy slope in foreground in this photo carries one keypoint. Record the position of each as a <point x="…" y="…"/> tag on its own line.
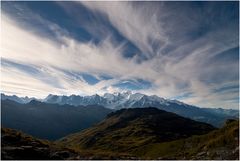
<point x="218" y="144"/>
<point x="127" y="132"/>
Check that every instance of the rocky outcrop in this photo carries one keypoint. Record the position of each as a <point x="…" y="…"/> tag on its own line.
<point x="16" y="145"/>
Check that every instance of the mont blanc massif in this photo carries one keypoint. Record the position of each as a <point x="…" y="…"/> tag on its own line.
<point x="115" y="126"/>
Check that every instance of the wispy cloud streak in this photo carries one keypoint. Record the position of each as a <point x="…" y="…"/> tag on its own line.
<point x="173" y="58"/>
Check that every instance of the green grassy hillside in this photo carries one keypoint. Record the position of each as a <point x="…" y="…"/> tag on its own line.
<point x="218" y="144"/>
<point x="132" y="132"/>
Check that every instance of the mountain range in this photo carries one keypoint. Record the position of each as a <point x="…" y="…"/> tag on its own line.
<point x="96" y="132"/>
<point x="49" y="121"/>
<point x="15" y="98"/>
<point x="115" y="101"/>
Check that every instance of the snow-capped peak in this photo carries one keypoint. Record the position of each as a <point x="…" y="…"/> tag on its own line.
<point x="125" y="99"/>
<point x="136" y="96"/>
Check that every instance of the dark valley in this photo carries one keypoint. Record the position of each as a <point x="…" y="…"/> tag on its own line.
<point x="49" y="121"/>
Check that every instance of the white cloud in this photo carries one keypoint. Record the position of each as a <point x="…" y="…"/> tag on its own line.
<point x="25" y="47"/>
<point x="184" y="65"/>
<point x="139" y="25"/>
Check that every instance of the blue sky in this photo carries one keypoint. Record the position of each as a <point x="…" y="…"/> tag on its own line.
<point x="178" y="50"/>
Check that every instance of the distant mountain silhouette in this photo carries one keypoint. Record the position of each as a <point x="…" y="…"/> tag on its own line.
<point x="16" y="98"/>
<point x="115" y="101"/>
<point x="49" y="121"/>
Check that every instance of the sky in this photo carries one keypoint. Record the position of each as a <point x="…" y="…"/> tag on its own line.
<point x="177" y="50"/>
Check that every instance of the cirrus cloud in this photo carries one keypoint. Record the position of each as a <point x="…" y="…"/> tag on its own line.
<point x="198" y="68"/>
